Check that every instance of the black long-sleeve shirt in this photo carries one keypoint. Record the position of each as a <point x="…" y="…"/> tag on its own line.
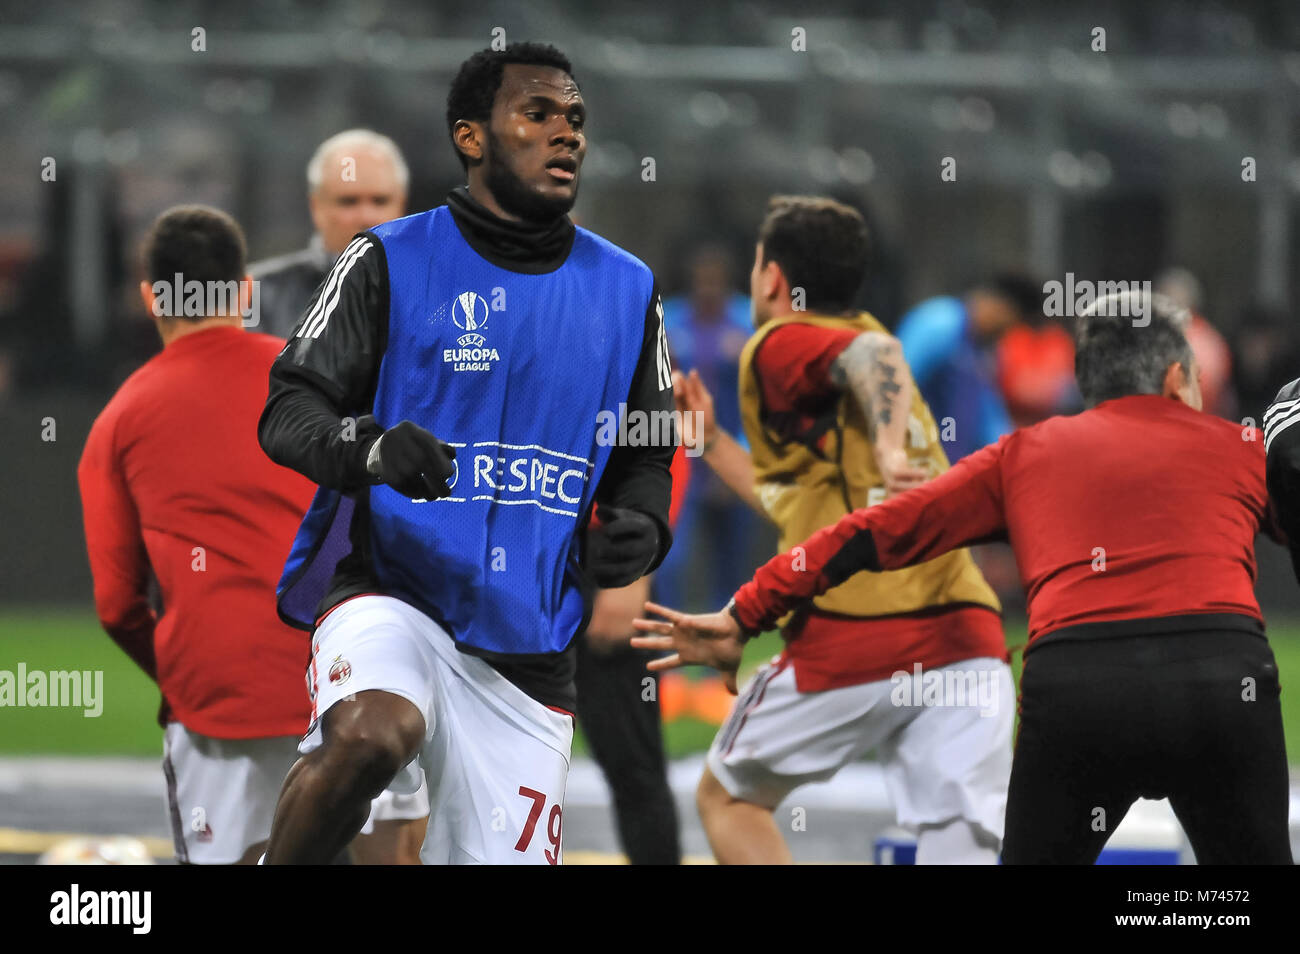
<point x="1282" y="449"/>
<point x="322" y="388"/>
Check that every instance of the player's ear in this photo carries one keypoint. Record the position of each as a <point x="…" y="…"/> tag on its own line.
<point x="147" y="296"/>
<point x="1180" y="384"/>
<point x="771" y="280"/>
<point x="468" y="137"/>
<point x="1175" y="380"/>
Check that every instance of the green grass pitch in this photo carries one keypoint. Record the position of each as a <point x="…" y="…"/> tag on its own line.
<point x="65" y="639"/>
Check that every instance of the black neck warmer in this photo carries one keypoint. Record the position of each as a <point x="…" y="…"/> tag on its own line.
<point x="529" y="247"/>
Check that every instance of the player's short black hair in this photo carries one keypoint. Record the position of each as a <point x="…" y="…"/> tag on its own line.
<point x="1024" y="294"/>
<point x="196" y="241"/>
<point x="201" y="244"/>
<point x="475" y="87"/>
<point x="821" y="246"/>
<point x="1124" y="344"/>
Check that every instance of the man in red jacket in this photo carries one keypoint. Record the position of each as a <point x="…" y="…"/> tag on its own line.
<point x="174" y="487"/>
<point x="1147" y="673"/>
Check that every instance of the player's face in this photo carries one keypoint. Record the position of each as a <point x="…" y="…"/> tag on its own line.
<point x="359" y="189"/>
<point x="990" y="315"/>
<point x="535" y="142"/>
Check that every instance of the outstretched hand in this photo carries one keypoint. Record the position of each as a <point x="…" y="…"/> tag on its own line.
<point x="707" y="639"/>
<point x="692" y="398"/>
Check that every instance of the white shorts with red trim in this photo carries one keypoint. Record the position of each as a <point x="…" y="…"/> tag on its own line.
<point x="943" y="737"/>
<point x="221" y="793"/>
<point x="495" y="759"/>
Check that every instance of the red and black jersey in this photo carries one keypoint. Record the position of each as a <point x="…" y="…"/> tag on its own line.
<point x="793" y="366"/>
<point x="1140" y="509"/>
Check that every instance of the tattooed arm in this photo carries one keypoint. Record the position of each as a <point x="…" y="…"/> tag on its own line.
<point x="873" y="370"/>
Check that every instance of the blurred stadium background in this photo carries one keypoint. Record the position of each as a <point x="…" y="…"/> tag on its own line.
<point x="1111" y="165"/>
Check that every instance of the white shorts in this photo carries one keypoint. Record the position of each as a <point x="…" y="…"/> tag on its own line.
<point x="390" y="806"/>
<point x="496" y="760"/>
<point x="221" y="793"/>
<point x="946" y="754"/>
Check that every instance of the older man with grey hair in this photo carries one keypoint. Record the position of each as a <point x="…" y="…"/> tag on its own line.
<point x="355" y="180"/>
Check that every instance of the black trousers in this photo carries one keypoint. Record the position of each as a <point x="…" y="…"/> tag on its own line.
<point x="1193" y="716"/>
<point x="620" y="719"/>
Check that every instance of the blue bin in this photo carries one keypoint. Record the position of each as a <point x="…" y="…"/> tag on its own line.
<point x="894" y="850"/>
<point x="901" y="850"/>
<point x="1139" y="856"/>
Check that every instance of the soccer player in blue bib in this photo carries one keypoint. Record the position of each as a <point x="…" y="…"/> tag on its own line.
<point x="450" y="389"/>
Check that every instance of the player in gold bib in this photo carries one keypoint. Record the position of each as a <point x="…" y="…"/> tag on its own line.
<point x="912" y="663"/>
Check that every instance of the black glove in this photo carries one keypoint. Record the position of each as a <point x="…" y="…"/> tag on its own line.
<point x="621" y="549"/>
<point x="412" y="461"/>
